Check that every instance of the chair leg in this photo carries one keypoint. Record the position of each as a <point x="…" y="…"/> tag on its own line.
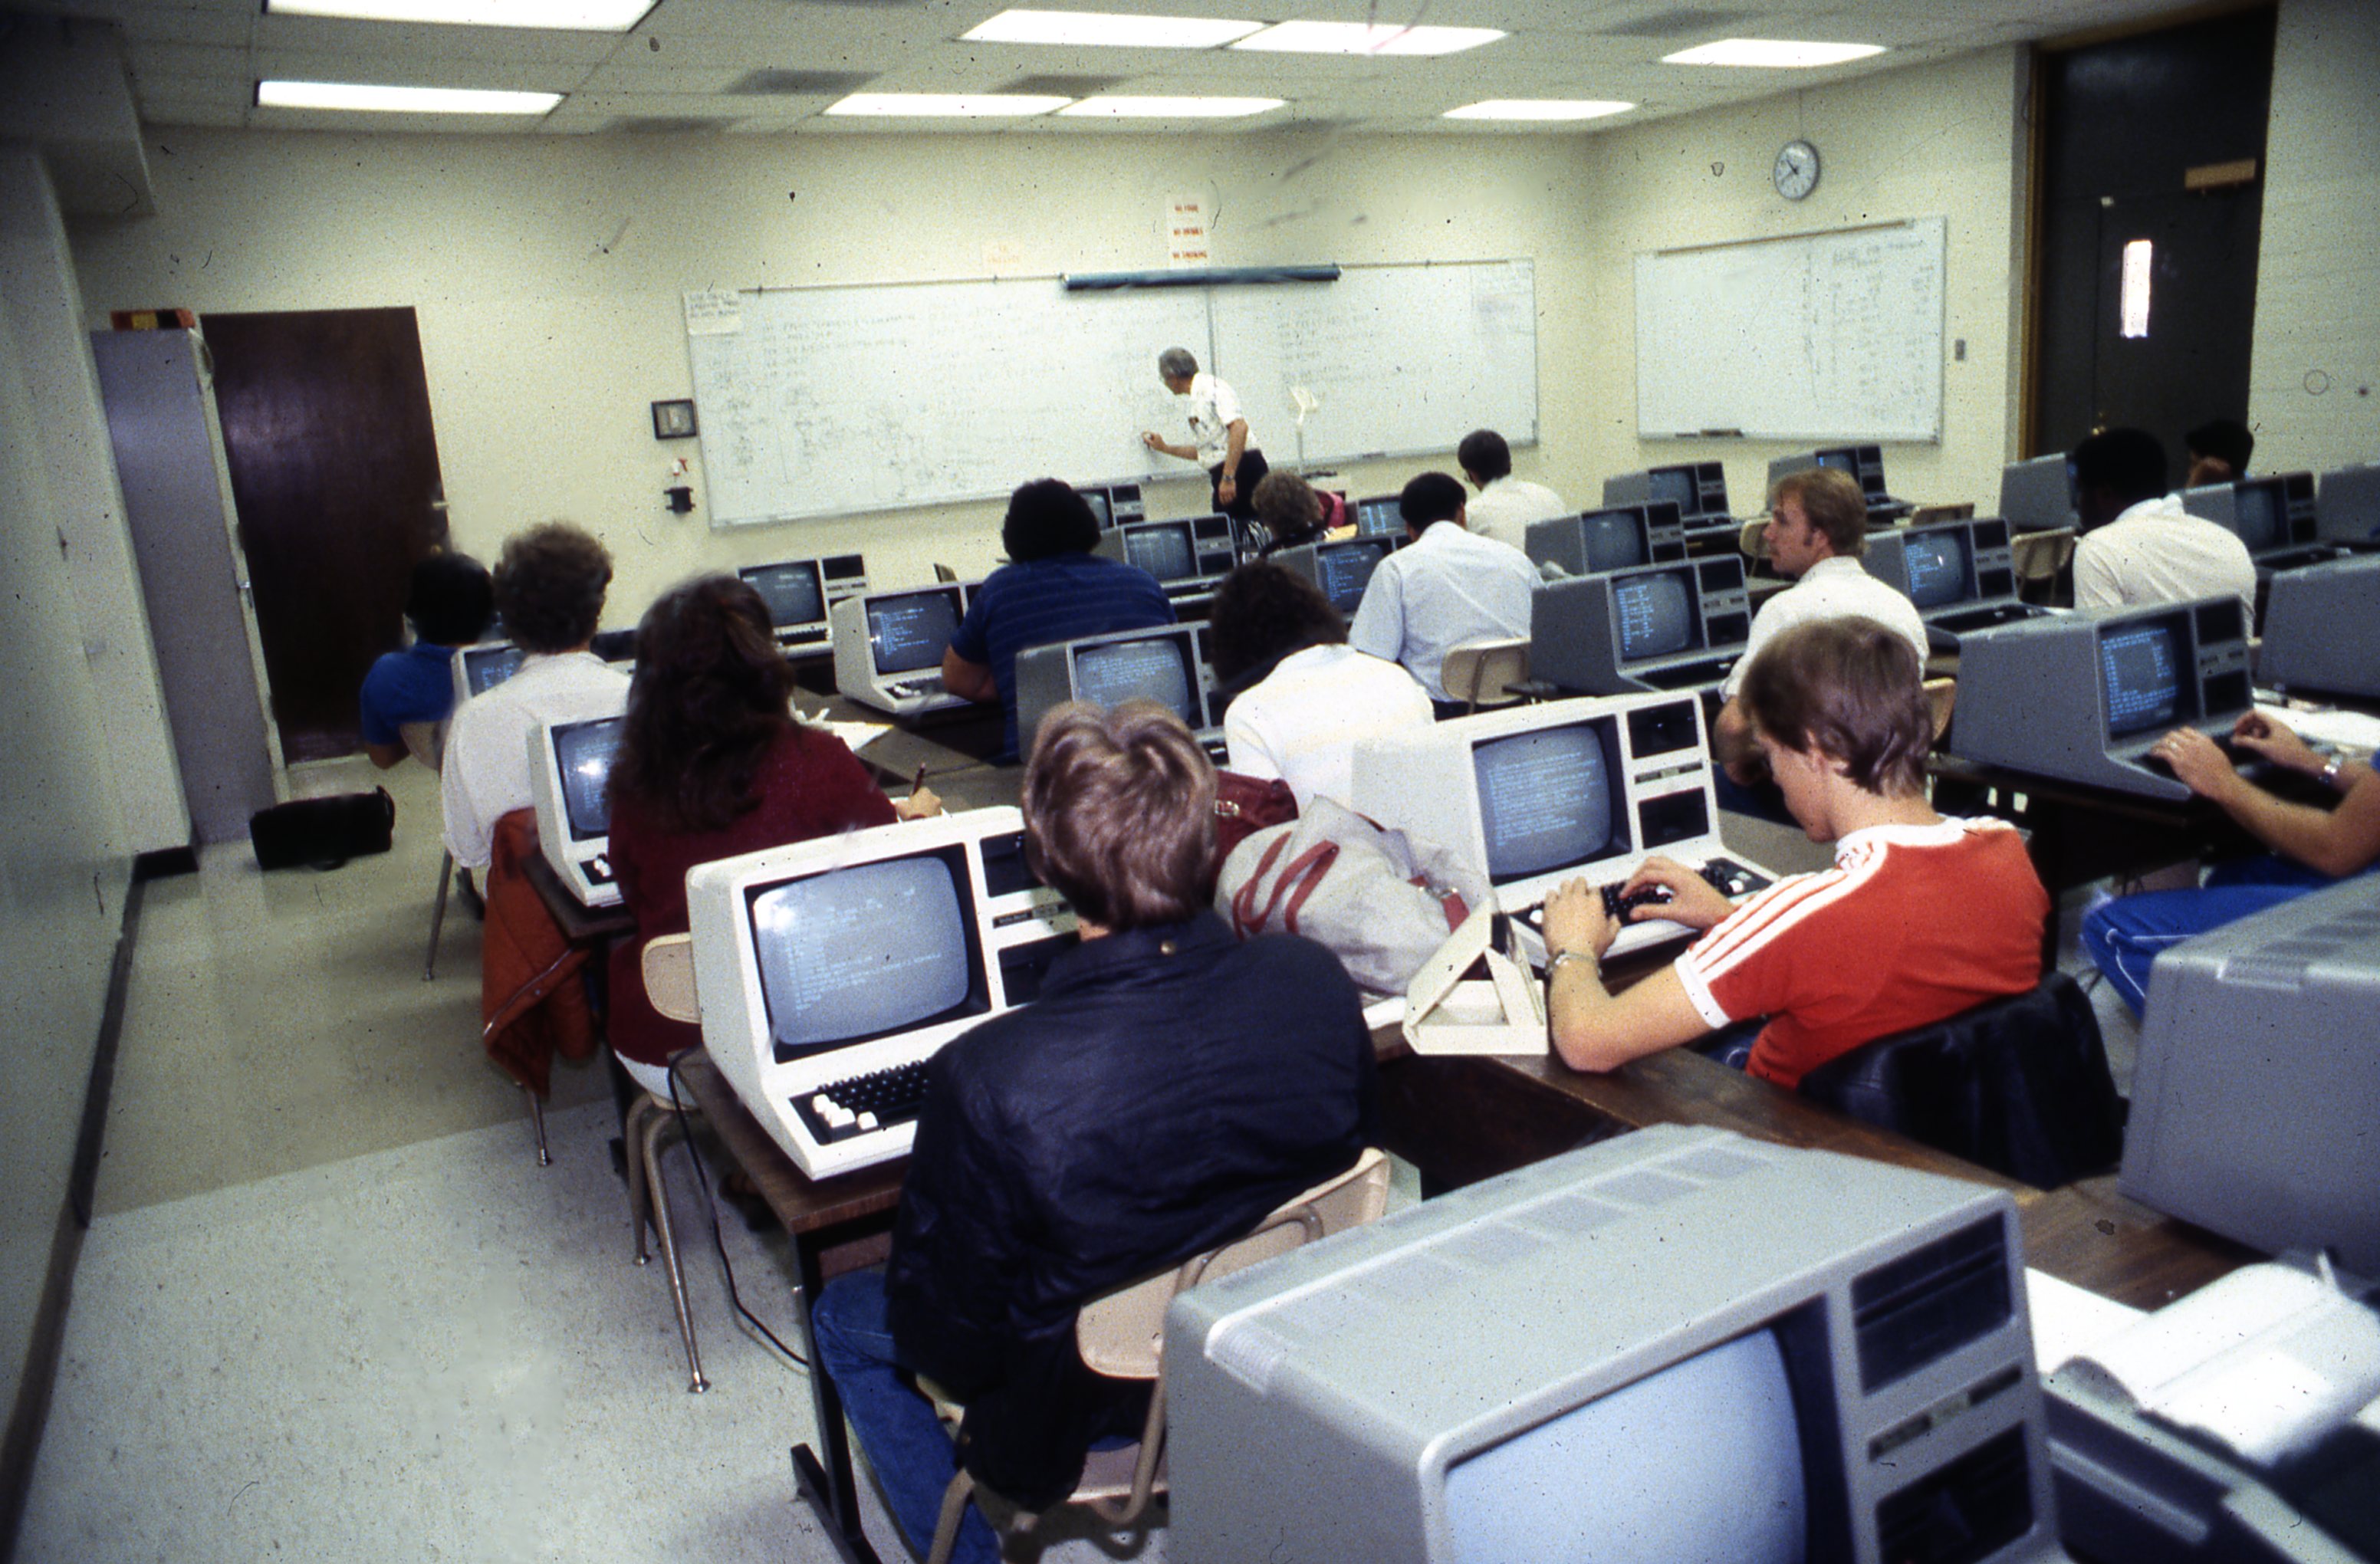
<point x="438" y="914"/>
<point x="632" y="1139"/>
<point x="946" y="1529"/>
<point x="537" y="1123"/>
<point x="657" y="1194"/>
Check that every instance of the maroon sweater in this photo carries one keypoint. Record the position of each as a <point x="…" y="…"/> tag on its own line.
<point x="808" y="784"/>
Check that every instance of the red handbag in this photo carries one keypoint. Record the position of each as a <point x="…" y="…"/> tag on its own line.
<point x="1244" y="804"/>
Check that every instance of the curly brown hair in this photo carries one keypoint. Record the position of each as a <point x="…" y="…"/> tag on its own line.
<point x="1288" y="505"/>
<point x="1262" y="614"/>
<point x="549" y="583"/>
<point x="711" y="694"/>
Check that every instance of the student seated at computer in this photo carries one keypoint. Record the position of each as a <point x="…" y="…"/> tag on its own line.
<point x="448" y="603"/>
<point x="711" y="764"/>
<point x="1921" y="917"/>
<point x="1308" y="698"/>
<point x="1505" y="506"/>
<point x="1054" y="588"/>
<point x="1816" y="531"/>
<point x="549" y="584"/>
<point x="2217" y="452"/>
<point x="1293" y="514"/>
<point x="1448" y="586"/>
<point x="2311" y="848"/>
<point x="1169" y="1086"/>
<point x="2137" y="544"/>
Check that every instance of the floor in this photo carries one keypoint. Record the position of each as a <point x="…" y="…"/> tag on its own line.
<point x="331" y="1306"/>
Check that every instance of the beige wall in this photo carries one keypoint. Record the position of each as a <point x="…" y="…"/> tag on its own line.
<point x="64" y="862"/>
<point x="2313" y="393"/>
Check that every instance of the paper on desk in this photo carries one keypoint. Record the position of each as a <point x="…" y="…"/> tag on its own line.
<point x="2348" y="730"/>
<point x="2268" y="1360"/>
<point x="857" y="737"/>
<point x="2068" y="1320"/>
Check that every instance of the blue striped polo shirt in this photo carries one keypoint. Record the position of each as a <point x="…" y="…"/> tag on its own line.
<point x="1035" y="603"/>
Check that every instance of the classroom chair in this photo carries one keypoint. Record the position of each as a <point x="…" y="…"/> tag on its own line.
<point x="427" y="741"/>
<point x="668" y="966"/>
<point x="1941" y="696"/>
<point x="1483" y="673"/>
<point x="1121" y="1335"/>
<point x="1925" y="516"/>
<point x="1752" y="538"/>
<point x="2038" y="557"/>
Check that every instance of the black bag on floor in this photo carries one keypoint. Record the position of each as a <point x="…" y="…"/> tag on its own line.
<point x="324" y="832"/>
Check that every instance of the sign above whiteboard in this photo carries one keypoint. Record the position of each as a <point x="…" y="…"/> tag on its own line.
<point x="1823" y="337"/>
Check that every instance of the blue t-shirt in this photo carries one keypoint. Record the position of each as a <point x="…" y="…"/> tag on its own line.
<point x="413" y="685"/>
<point x="1035" y="604"/>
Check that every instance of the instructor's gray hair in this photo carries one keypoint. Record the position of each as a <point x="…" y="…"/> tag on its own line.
<point x="1177" y="363"/>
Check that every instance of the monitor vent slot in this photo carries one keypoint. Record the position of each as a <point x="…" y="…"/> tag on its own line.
<point x="1962" y="1513"/>
<point x="1571" y="1214"/>
<point x="1644" y="1188"/>
<point x="1929" y="1302"/>
<point x="2282" y="964"/>
<point x="1491" y="1245"/>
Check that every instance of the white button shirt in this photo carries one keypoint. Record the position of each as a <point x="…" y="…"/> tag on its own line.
<point x="485" y="775"/>
<point x="1505" y="508"/>
<point x="1837" y="588"/>
<point x="1303" y="721"/>
<point x="1447" y="588"/>
<point x="1214" y="408"/>
<point x="2157" y="552"/>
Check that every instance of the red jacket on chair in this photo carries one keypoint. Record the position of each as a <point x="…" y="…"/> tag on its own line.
<point x="532" y="1001"/>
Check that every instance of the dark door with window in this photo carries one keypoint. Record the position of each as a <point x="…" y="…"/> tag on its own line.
<point x="335" y="472"/>
<point x="2152" y="145"/>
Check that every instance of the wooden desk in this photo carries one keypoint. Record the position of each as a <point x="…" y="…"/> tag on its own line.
<point x="584" y="926"/>
<point x="842" y="1224"/>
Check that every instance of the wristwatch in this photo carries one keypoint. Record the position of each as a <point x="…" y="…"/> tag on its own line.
<point x="1554" y="963"/>
<point x="2330" y="770"/>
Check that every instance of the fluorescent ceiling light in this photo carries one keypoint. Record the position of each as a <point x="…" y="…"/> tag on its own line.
<point x="576" y="15"/>
<point x="1170" y="108"/>
<point x="1110" y="30"/>
<point x="946" y="105"/>
<point x="1776" y="54"/>
<point x="1363" y="38"/>
<point x="399" y="100"/>
<point x="1538" y="109"/>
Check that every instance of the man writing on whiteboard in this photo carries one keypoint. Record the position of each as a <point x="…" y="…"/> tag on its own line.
<point x="1219" y="432"/>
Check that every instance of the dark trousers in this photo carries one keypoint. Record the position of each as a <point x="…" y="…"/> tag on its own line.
<point x="1252" y="470"/>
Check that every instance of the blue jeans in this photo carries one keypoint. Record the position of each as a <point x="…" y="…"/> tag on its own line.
<point x="906" y="1443"/>
<point x="2125" y="936"/>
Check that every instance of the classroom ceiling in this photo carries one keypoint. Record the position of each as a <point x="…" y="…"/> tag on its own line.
<point x="772" y="66"/>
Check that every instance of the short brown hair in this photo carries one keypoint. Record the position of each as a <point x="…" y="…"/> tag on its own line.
<point x="1852" y="689"/>
<point x="550" y="584"/>
<point x="1833" y="502"/>
<point x="1288" y="504"/>
<point x="1119" y="813"/>
<point x="1262" y="614"/>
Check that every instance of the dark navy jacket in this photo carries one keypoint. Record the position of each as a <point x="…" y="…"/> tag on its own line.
<point x="1167" y="1088"/>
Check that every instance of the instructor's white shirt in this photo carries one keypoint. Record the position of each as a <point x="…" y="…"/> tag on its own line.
<point x="1214" y="408"/>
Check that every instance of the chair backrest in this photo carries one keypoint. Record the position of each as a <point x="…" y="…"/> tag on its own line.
<point x="427" y="741"/>
<point x="1483" y="671"/>
<point x="944" y="572"/>
<point x="1753" y="537"/>
<point x="1941" y="694"/>
<point x="2018" y="1084"/>
<point x="668" y="964"/>
<point x="1121" y="1334"/>
<point x="2039" y="556"/>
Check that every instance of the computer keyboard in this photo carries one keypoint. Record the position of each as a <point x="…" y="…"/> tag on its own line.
<point x="841" y="1110"/>
<point x="1687" y="675"/>
<point x="924" y="688"/>
<point x="1726" y="875"/>
<point x="598" y="869"/>
<point x="1968" y="620"/>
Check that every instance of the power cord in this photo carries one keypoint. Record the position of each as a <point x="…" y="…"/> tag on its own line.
<point x="718" y="1240"/>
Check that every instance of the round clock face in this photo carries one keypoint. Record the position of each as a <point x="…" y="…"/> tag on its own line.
<point x="1797" y="170"/>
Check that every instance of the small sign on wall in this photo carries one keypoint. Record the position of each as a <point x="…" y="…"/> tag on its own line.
<point x="1185" y="231"/>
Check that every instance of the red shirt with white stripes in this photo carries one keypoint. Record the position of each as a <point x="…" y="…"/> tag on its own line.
<point x="1913" y="924"/>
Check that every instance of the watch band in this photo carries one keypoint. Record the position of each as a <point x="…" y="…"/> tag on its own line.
<point x="2330" y="770"/>
<point x="1554" y="965"/>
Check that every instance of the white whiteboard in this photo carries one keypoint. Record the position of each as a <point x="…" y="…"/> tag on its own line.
<point x="1822" y="337"/>
<point x="839" y="400"/>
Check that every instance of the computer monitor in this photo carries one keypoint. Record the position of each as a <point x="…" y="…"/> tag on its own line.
<point x="617" y="646"/>
<point x="829" y="963"/>
<point x="1168" y="664"/>
<point x="1678" y="1344"/>
<point x="1698" y="488"/>
<point x="1379" y="515"/>
<point x="1113" y="505"/>
<point x="1960" y="574"/>
<point x="2347" y="506"/>
<point x="1531" y="795"/>
<point x="889" y="646"/>
<point x="2037" y="494"/>
<point x="2255" y="1093"/>
<point x="1616" y="538"/>
<point x="2084" y="696"/>
<point x="570" y="779"/>
<point x="799" y="592"/>
<point x="479" y="669"/>
<point x="1341" y="569"/>
<point x="1188" y="556"/>
<point x="2322" y="630"/>
<point x="1863" y="464"/>
<point x="1657" y="627"/>
<point x="2272" y="515"/>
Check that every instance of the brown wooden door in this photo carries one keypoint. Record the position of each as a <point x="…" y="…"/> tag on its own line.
<point x="335" y="472"/>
